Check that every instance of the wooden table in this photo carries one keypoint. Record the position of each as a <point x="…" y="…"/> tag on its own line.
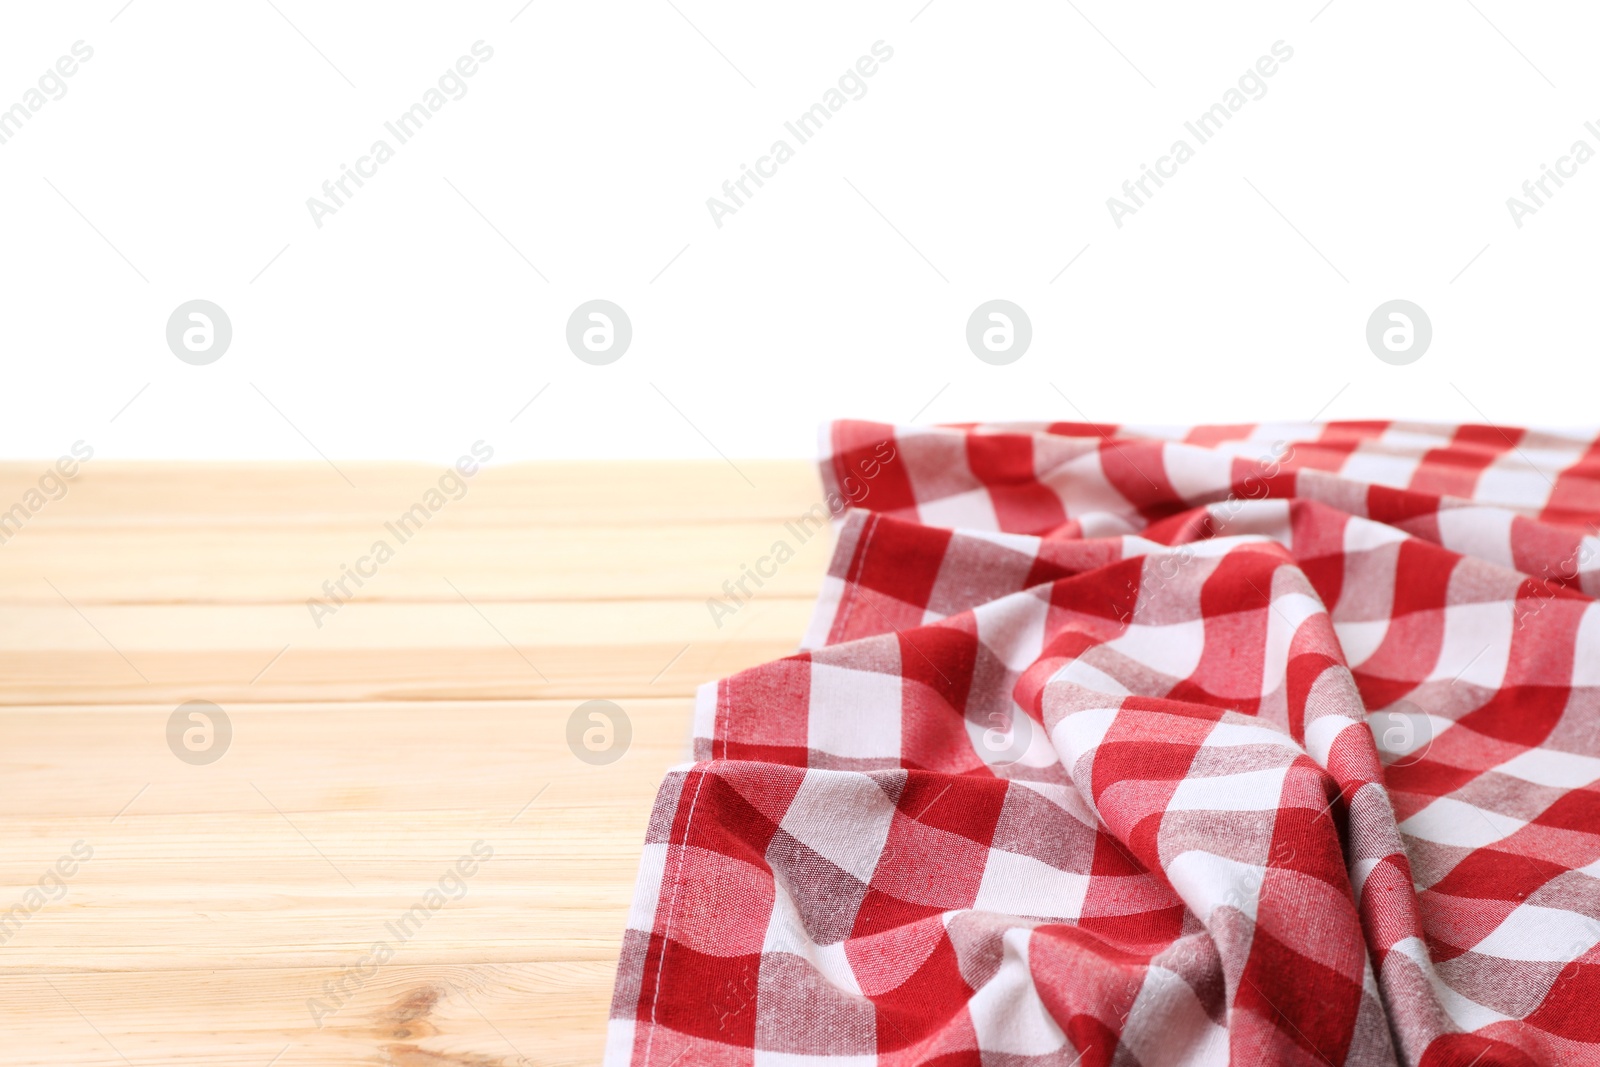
<point x="230" y="907"/>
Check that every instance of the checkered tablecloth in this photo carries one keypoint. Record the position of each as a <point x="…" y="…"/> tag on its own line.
<point x="1115" y="745"/>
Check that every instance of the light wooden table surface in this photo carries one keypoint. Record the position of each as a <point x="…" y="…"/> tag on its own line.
<point x="223" y="900"/>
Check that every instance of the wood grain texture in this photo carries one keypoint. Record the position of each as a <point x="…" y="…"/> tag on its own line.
<point x="233" y="912"/>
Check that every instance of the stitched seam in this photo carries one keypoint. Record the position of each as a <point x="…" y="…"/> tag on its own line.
<point x="853" y="575"/>
<point x="672" y="907"/>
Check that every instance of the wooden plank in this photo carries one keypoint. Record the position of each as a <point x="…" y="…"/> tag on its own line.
<point x="348" y="812"/>
<point x="76" y="654"/>
<point x="583" y="494"/>
<point x="444" y="1015"/>
<point x="206" y="883"/>
<point x="197" y="563"/>
<point x="368" y="755"/>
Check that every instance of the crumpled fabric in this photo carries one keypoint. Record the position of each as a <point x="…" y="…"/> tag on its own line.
<point x="1145" y="746"/>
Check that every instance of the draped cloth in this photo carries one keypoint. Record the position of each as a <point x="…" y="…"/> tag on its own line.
<point x="1262" y="744"/>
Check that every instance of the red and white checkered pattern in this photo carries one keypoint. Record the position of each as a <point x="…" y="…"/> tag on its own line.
<point x="1118" y="745"/>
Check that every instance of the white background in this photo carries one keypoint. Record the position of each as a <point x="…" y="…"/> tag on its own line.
<point x="408" y="327"/>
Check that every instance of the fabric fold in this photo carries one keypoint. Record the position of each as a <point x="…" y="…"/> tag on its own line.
<point x="1152" y="746"/>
